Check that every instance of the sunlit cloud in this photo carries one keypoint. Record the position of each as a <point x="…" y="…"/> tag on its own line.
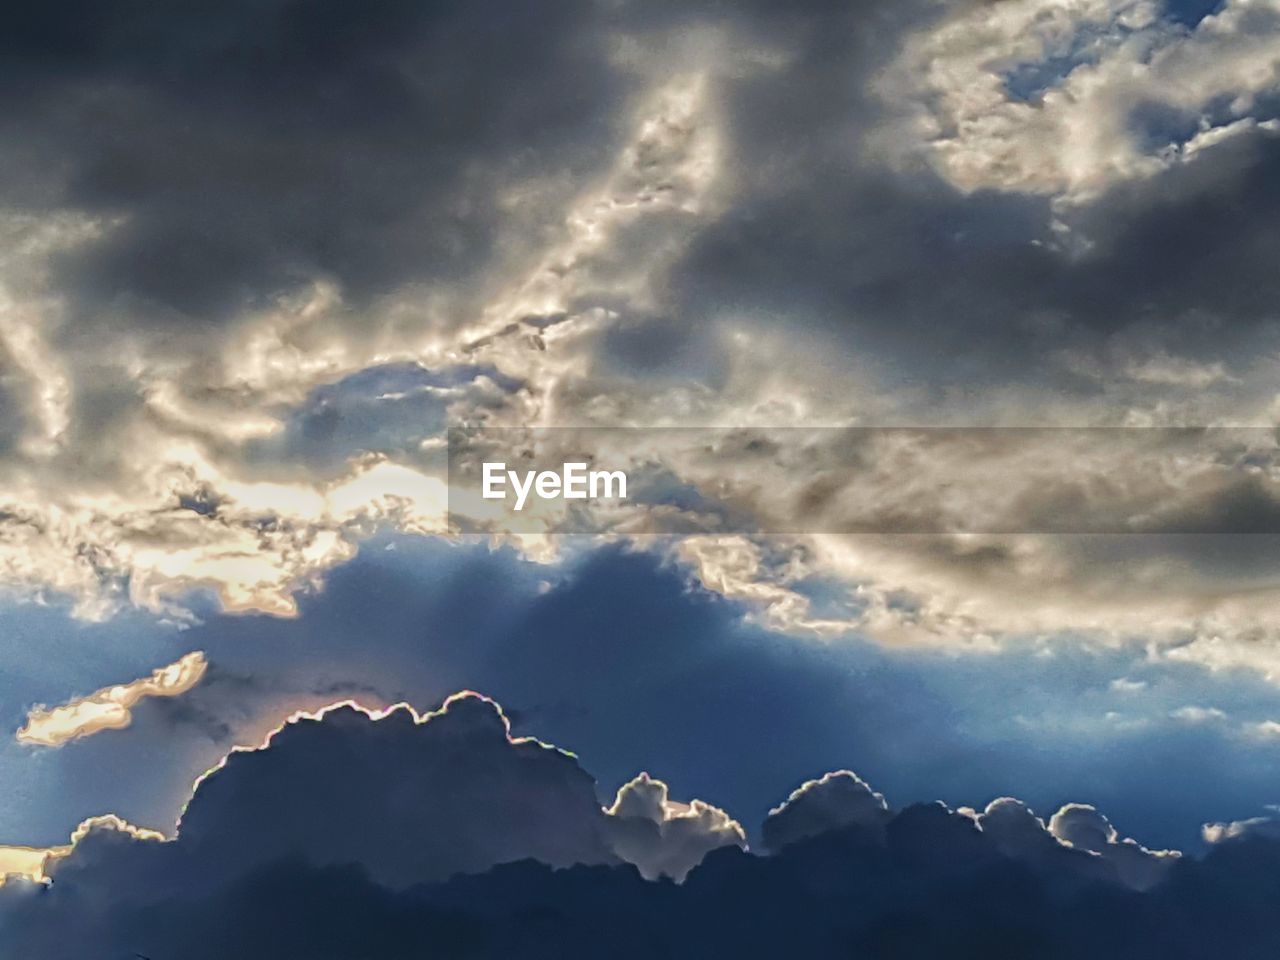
<point x="27" y="862"/>
<point x="33" y="863"/>
<point x="662" y="836"/>
<point x="164" y="459"/>
<point x="110" y="708"/>
<point x="1040" y="97"/>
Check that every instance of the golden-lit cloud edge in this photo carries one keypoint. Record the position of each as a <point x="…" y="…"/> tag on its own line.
<point x="32" y="863"/>
<point x="419" y="717"/>
<point x="110" y="708"/>
<point x="681" y="832"/>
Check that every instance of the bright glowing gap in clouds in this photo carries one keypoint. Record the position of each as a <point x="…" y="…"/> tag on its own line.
<point x="26" y="862"/>
<point x="110" y="708"/>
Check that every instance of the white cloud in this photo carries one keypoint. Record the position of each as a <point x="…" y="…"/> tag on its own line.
<point x="1224" y="650"/>
<point x="1267" y="731"/>
<point x="664" y="837"/>
<point x="1125" y="685"/>
<point x="1083" y="827"/>
<point x="1198" y="715"/>
<point x="1086" y="66"/>
<point x="1256" y="826"/>
<point x="110" y="708"/>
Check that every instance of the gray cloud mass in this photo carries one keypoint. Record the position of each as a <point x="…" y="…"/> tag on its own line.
<point x="257" y="258"/>
<point x="407" y="821"/>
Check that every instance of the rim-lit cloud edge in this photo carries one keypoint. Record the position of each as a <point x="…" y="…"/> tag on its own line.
<point x="110" y="708"/>
<point x="289" y="806"/>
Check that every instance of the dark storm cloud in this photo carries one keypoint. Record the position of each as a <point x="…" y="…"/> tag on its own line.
<point x="453" y="794"/>
<point x="996" y="884"/>
<point x="944" y="286"/>
<point x="256" y="147"/>
<point x="253" y="146"/>
<point x="1190" y="248"/>
<point x="822" y="232"/>
<point x="826" y="898"/>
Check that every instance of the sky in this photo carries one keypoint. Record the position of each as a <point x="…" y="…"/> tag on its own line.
<point x="940" y="339"/>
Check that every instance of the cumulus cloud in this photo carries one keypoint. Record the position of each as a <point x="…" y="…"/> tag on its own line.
<point x="442" y="861"/>
<point x="836" y="800"/>
<point x="33" y="863"/>
<point x="411" y="797"/>
<point x="110" y="708"/>
<point x="1015" y="828"/>
<point x="469" y="796"/>
<point x="1082" y="827"/>
<point x="663" y="837"/>
<point x="842" y="801"/>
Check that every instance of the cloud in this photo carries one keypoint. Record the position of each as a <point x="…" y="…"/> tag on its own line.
<point x="110" y="708"/>
<point x="1196" y="714"/>
<point x="230" y="341"/>
<point x="1016" y="830"/>
<point x="411" y="797"/>
<point x="653" y="215"/>
<point x="1268" y="827"/>
<point x="26" y="862"/>
<point x="1084" y="828"/>
<point x="836" y="800"/>
<point x="1125" y="685"/>
<point x="843" y="802"/>
<point x="539" y="82"/>
<point x="469" y="795"/>
<point x="822" y="897"/>
<point x="1050" y="98"/>
<point x="1265" y="730"/>
<point x="663" y="837"/>
<point x="415" y="850"/>
<point x="237" y="382"/>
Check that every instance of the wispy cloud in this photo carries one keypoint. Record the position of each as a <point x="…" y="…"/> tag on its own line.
<point x="110" y="708"/>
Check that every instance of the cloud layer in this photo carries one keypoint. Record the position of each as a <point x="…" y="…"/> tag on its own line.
<point x="400" y="825"/>
<point x="233" y="342"/>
